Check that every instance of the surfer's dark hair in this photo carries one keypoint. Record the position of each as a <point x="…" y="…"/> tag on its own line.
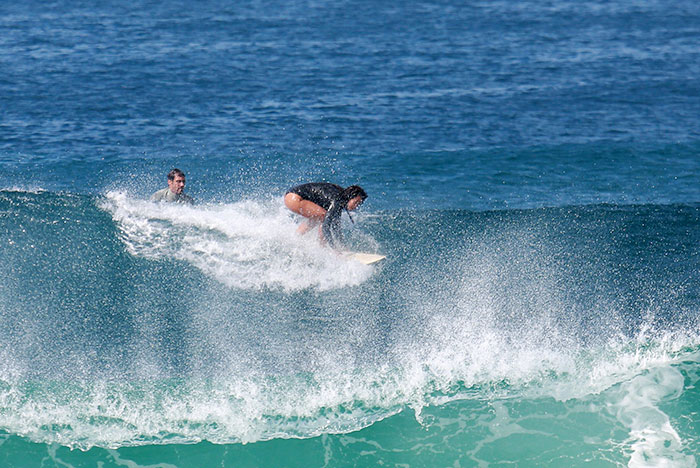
<point x="348" y="194"/>
<point x="352" y="192"/>
<point x="174" y="173"/>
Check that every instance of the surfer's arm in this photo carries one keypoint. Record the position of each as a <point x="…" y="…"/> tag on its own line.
<point x="330" y="229"/>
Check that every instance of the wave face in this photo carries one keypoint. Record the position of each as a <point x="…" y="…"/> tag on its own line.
<point x="572" y="331"/>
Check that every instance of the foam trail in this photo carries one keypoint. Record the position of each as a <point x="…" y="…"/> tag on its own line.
<point x="246" y="245"/>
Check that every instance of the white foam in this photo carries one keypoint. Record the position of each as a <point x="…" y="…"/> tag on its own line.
<point x="23" y="189"/>
<point x="248" y="245"/>
<point x="113" y="415"/>
<point x="653" y="440"/>
<point x="338" y="396"/>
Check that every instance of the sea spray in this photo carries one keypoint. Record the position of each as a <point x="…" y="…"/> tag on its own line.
<point x="244" y="245"/>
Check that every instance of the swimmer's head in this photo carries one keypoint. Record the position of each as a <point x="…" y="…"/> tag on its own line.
<point x="352" y="197"/>
<point x="176" y="181"/>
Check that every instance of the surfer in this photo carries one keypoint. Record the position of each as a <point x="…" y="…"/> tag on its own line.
<point x="174" y="192"/>
<point x="323" y="203"/>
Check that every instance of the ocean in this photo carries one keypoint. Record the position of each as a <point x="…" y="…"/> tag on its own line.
<point x="533" y="172"/>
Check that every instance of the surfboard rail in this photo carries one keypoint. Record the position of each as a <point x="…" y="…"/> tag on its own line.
<point x="364" y="257"/>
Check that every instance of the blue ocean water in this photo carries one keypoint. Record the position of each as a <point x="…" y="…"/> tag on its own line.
<point x="532" y="170"/>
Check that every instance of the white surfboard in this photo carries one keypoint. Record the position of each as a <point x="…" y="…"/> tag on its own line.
<point x="366" y="258"/>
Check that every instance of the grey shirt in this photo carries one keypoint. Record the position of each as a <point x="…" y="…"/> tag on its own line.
<point x="167" y="196"/>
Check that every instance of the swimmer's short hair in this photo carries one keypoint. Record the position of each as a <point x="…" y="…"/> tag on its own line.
<point x="174" y="173"/>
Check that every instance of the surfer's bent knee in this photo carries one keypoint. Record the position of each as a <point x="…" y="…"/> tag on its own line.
<point x="293" y="202"/>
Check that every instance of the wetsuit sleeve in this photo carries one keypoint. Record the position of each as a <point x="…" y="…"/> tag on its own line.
<point x="331" y="226"/>
<point x="184" y="198"/>
<point x="160" y="195"/>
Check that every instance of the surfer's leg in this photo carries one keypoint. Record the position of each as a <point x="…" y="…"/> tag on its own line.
<point x="306" y="226"/>
<point x="313" y="213"/>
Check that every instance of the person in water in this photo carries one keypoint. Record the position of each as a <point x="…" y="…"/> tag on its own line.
<point x="323" y="203"/>
<point x="174" y="192"/>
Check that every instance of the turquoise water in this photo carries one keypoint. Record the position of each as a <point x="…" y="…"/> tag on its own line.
<point x="532" y="174"/>
<point x="189" y="336"/>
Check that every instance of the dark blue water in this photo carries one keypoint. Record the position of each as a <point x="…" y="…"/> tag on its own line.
<point x="532" y="171"/>
<point x="98" y="91"/>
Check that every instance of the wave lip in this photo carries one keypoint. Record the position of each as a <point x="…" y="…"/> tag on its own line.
<point x="632" y="387"/>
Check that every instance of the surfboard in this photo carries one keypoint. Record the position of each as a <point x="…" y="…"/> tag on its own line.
<point x="366" y="258"/>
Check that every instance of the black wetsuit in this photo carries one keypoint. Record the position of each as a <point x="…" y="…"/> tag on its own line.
<point x="327" y="196"/>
